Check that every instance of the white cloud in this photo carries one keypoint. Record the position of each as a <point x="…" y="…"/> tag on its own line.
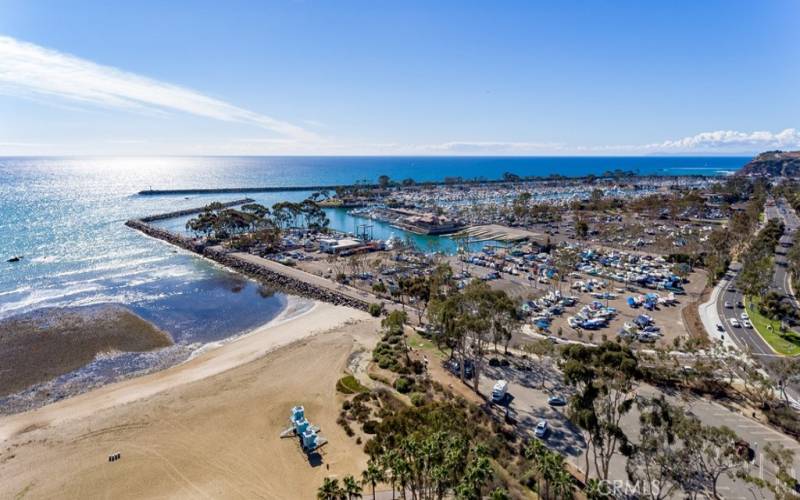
<point x="28" y="69"/>
<point x="732" y="139"/>
<point x="721" y="141"/>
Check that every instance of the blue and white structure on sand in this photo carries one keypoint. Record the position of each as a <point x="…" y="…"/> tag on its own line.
<point x="310" y="440"/>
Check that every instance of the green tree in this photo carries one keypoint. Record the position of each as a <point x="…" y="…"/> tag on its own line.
<point x="432" y="451"/>
<point x="604" y="378"/>
<point x="373" y="475"/>
<point x="351" y="487"/>
<point x="541" y="348"/>
<point x="330" y="489"/>
<point x="656" y="462"/>
<point x="783" y="483"/>
<point x="581" y="228"/>
<point x="384" y="181"/>
<point x="709" y="453"/>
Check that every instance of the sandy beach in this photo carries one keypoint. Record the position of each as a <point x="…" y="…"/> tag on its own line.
<point x="206" y="428"/>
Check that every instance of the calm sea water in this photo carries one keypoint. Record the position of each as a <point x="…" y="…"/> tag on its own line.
<point x="66" y="215"/>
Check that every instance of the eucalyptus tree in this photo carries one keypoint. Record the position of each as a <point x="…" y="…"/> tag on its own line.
<point x="282" y="214"/>
<point x="567" y="259"/>
<point x="256" y="209"/>
<point x="656" y="462"/>
<point x="604" y="378"/>
<point x="709" y="453"/>
<point x="783" y="483"/>
<point x="207" y="222"/>
<point x="467" y="321"/>
<point x="314" y="216"/>
<point x="787" y="371"/>
<point x="541" y="348"/>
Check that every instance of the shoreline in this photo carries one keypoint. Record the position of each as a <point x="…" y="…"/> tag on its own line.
<point x="278" y="332"/>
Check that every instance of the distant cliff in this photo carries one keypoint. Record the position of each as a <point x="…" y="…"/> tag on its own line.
<point x="774" y="164"/>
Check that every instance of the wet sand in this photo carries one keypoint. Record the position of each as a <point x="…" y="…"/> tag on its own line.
<point x="42" y="345"/>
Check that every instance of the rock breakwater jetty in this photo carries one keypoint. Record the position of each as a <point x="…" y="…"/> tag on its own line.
<point x="192" y="211"/>
<point x="284" y="278"/>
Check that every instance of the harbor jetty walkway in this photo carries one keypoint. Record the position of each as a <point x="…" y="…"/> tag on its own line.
<point x="306" y="277"/>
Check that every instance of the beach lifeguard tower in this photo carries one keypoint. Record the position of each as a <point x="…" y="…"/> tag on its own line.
<point x="301" y="428"/>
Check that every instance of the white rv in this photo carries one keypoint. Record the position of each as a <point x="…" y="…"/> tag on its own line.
<point x="499" y="391"/>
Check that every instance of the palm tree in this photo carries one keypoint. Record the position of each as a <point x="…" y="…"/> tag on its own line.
<point x="562" y="484"/>
<point x="329" y="490"/>
<point x="535" y="452"/>
<point x="372" y="476"/>
<point x="478" y="473"/>
<point x="387" y="465"/>
<point x="351" y="487"/>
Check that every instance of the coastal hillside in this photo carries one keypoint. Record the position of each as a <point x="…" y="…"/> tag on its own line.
<point x="774" y="164"/>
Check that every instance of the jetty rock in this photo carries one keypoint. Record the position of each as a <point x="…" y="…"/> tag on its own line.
<point x="773" y="164"/>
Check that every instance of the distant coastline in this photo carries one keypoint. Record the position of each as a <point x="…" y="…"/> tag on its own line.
<point x="623" y="176"/>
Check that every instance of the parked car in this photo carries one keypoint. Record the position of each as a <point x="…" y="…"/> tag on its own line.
<point x="556" y="401"/>
<point x="455" y="368"/>
<point x="541" y="429"/>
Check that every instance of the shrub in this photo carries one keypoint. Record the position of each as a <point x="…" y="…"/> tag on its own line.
<point x="403" y="385"/>
<point x="375" y="309"/>
<point x="417" y="398"/>
<point x="370" y="426"/>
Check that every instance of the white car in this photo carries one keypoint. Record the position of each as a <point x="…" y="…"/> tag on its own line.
<point x="541" y="429"/>
<point x="746" y="323"/>
<point x="744" y="315"/>
<point x="728" y="305"/>
<point x="734" y="322"/>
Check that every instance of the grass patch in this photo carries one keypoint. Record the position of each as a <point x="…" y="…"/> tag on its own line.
<point x="350" y="385"/>
<point x="787" y="343"/>
<point x="417" y="341"/>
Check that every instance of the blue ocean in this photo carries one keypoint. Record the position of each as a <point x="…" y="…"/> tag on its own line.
<point x="66" y="215"/>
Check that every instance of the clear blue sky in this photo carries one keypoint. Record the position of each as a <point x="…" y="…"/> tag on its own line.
<point x="379" y="77"/>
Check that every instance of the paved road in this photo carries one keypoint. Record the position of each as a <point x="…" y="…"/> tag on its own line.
<point x="730" y="300"/>
<point x="783" y="211"/>
<point x="528" y="403"/>
<point x="730" y="306"/>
